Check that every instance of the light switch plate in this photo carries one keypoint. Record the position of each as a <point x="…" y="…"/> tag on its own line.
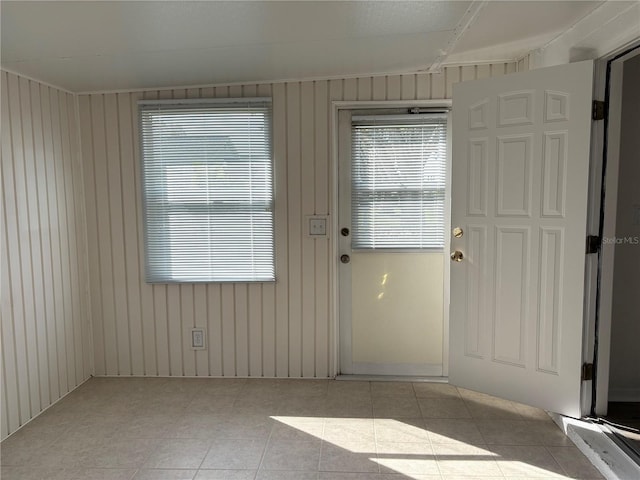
<point x="317" y="226"/>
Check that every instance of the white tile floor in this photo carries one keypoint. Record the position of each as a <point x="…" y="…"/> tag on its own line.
<point x="179" y="429"/>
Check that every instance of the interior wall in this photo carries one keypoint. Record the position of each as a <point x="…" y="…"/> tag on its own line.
<point x="281" y="329"/>
<point x="46" y="341"/>
<point x="624" y="380"/>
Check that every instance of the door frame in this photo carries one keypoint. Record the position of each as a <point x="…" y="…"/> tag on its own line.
<point x="602" y="221"/>
<point x="336" y="107"/>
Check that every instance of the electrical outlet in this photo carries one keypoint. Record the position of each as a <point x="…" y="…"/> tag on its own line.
<point x="197" y="339"/>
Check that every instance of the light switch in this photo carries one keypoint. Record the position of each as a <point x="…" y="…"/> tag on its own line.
<point x="318" y="226"/>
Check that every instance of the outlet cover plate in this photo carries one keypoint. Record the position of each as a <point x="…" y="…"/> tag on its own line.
<point x="198" y="338"/>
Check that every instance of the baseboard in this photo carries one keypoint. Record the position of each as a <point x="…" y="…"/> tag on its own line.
<point x="624" y="394"/>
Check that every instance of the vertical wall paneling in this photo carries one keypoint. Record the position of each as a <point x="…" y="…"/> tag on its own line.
<point x="61" y="240"/>
<point x="423" y="86"/>
<point x="408" y="87"/>
<point x="174" y="328"/>
<point x="467" y="72"/>
<point x="23" y="296"/>
<point x="36" y="340"/>
<point x="214" y="329"/>
<point x="104" y="244"/>
<point x="95" y="293"/>
<point x="308" y="182"/>
<point x="116" y="215"/>
<point x="222" y="92"/>
<point x="84" y="339"/>
<point x="13" y="320"/>
<point x="254" y="345"/>
<point x="394" y="87"/>
<point x="280" y="329"/>
<point x="350" y="89"/>
<point x="52" y="283"/>
<point x="294" y="224"/>
<point x="321" y="245"/>
<point x="379" y="88"/>
<point x="187" y="304"/>
<point x="200" y="320"/>
<point x="147" y="302"/>
<point x="11" y="394"/>
<point x="364" y="87"/>
<point x="497" y="69"/>
<point x="437" y="86"/>
<point x="42" y="265"/>
<point x="228" y="330"/>
<point x="452" y="75"/>
<point x="137" y="350"/>
<point x="280" y="125"/>
<point x="27" y="187"/>
<point x="71" y="303"/>
<point x="51" y="226"/>
<point x="483" y="71"/>
<point x="67" y="117"/>
<point x="44" y="316"/>
<point x="240" y="320"/>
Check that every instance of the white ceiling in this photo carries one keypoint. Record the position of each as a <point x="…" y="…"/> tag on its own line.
<point x="93" y="46"/>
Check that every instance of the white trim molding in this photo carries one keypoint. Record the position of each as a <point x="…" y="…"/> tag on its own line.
<point x="607" y="28"/>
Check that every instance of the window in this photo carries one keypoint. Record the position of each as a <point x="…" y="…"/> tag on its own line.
<point x="207" y="181"/>
<point x="398" y="175"/>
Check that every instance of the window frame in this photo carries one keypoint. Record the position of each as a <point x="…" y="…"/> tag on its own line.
<point x="201" y="208"/>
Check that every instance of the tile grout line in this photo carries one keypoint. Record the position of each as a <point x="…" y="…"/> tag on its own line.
<point x="264" y="450"/>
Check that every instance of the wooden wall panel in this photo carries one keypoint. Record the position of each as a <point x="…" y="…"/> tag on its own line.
<point x="281" y="329"/>
<point x="45" y="320"/>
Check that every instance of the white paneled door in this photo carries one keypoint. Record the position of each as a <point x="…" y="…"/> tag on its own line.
<point x="519" y="197"/>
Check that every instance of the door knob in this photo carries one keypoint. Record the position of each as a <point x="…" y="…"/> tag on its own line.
<point x="457" y="256"/>
<point x="345" y="258"/>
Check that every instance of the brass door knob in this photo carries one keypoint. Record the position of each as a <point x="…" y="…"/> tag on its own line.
<point x="457" y="256"/>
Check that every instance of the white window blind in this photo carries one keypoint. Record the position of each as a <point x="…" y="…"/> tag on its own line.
<point x="208" y="190"/>
<point x="398" y="181"/>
